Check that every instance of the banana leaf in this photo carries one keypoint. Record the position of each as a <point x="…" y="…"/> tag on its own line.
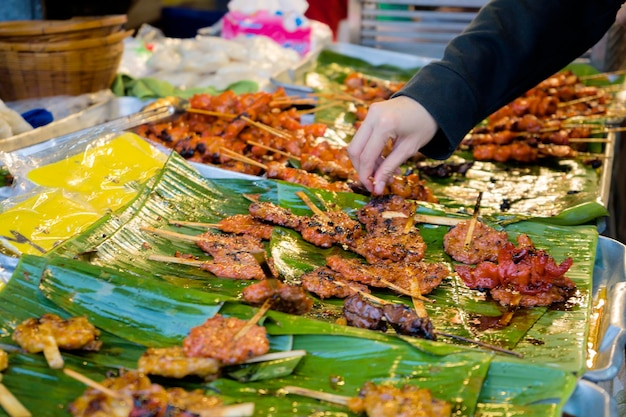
<point x="456" y="377"/>
<point x="112" y="270"/>
<point x="457" y="310"/>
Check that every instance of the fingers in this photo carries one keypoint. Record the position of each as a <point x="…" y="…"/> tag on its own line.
<point x="401" y="119"/>
<point x="365" y="151"/>
<point x="390" y="166"/>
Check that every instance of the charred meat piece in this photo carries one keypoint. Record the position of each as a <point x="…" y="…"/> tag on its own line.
<point x="323" y="282"/>
<point x="362" y="314"/>
<point x="483" y="246"/>
<point x="387" y="247"/>
<point x="215" y="338"/>
<point x="335" y="227"/>
<point x="218" y="243"/>
<point x="245" y="224"/>
<point x="372" y="215"/>
<point x="273" y="214"/>
<point x="427" y="275"/>
<point x="236" y="265"/>
<point x="289" y="299"/>
<point x="405" y="321"/>
<point x="300" y="176"/>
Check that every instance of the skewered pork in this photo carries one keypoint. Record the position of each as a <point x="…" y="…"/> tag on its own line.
<point x="218" y="338"/>
<point x="289" y="299"/>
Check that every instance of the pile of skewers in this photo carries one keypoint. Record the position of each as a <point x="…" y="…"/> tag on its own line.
<point x="260" y="134"/>
<point x="558" y="118"/>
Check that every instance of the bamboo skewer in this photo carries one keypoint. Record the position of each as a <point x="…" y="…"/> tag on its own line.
<point x="437" y="220"/>
<point x="50" y="348"/>
<point x="269" y="129"/>
<point x="95" y="385"/>
<point x="580" y="100"/>
<point x="257" y="316"/>
<point x="293" y="100"/>
<point x="248" y="120"/>
<point x="318" y="395"/>
<point x="212" y="113"/>
<point x="472" y="224"/>
<point x="236" y="156"/>
<point x="269" y="148"/>
<point x="481" y="344"/>
<point x="178" y="260"/>
<point x="316" y="210"/>
<point x="319" y="108"/>
<point x="10" y="403"/>
<point x="401" y="290"/>
<point x="194" y="224"/>
<point x="589" y="140"/>
<point x="168" y="234"/>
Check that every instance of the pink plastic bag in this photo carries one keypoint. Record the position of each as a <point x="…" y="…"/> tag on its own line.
<point x="289" y="31"/>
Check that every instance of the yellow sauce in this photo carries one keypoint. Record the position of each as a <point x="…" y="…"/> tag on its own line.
<point x="82" y="189"/>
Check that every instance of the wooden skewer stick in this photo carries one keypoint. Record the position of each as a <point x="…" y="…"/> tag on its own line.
<point x="481" y="344"/>
<point x="318" y="395"/>
<point x="277" y="355"/>
<point x="194" y="224"/>
<point x="589" y="140"/>
<point x="259" y="125"/>
<point x="269" y="148"/>
<point x="438" y="220"/>
<point x="319" y="108"/>
<point x="316" y="210"/>
<point x="370" y="297"/>
<point x="235" y="410"/>
<point x="168" y="234"/>
<point x="96" y="385"/>
<point x="178" y="260"/>
<point x="292" y="101"/>
<point x="212" y="113"/>
<point x="269" y="129"/>
<point x="11" y="404"/>
<point x="238" y="157"/>
<point x="50" y="348"/>
<point x="580" y="100"/>
<point x="417" y="303"/>
<point x="257" y="316"/>
<point x="472" y="224"/>
<point x="422" y="313"/>
<point x="401" y="290"/>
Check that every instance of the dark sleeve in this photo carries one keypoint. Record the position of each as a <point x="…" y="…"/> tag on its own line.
<point x="510" y="47"/>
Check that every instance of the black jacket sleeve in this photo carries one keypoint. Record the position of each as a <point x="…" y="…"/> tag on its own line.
<point x="510" y="47"/>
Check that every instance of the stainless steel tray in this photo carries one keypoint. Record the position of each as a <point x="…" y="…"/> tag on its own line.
<point x="610" y="274"/>
<point x="590" y="400"/>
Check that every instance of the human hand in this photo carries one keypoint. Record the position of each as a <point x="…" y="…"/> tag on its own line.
<point x="403" y="120"/>
<point x="620" y="19"/>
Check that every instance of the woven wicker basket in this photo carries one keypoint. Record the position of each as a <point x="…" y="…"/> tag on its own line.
<point x="60" y="30"/>
<point x="74" y="67"/>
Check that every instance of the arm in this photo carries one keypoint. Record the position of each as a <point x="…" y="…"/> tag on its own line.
<point x="509" y="47"/>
